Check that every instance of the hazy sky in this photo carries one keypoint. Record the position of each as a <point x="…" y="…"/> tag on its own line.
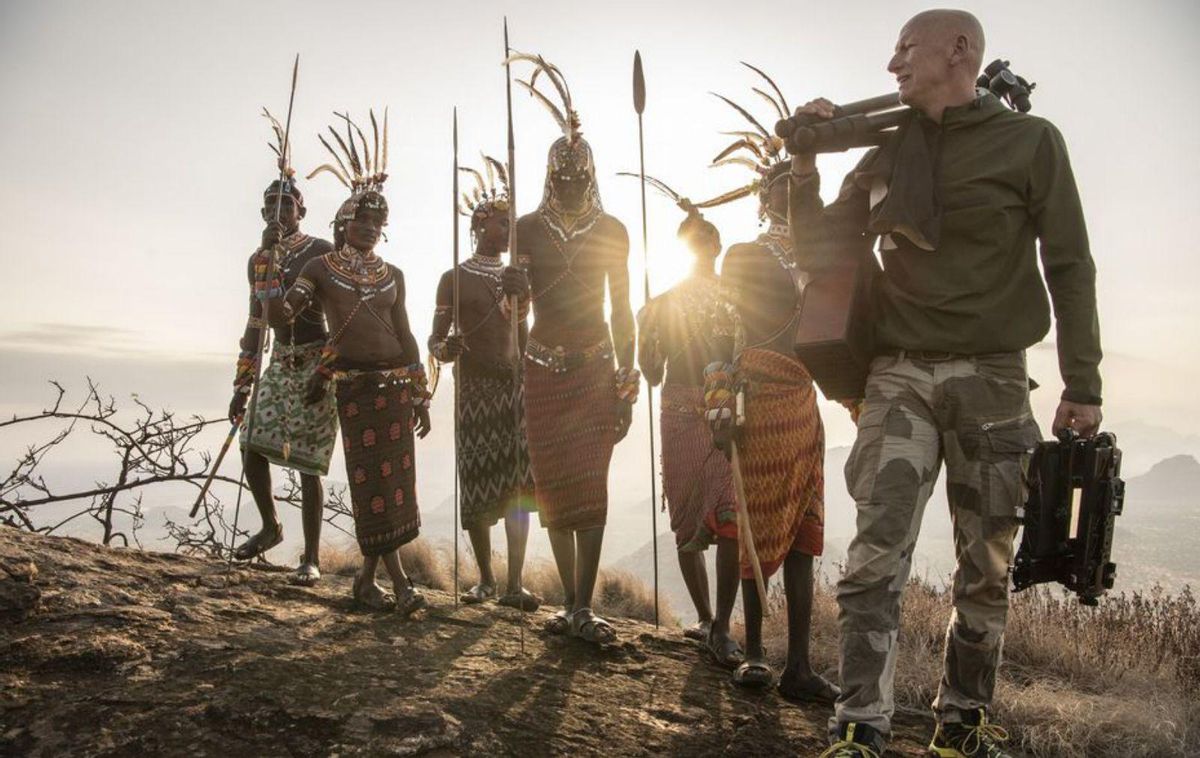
<point x="134" y="157"/>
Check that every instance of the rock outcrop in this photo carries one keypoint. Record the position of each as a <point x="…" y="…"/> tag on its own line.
<point x="122" y="652"/>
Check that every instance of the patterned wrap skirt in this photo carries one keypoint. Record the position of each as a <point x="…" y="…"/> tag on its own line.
<point x="697" y="479"/>
<point x="281" y="415"/>
<point x="493" y="459"/>
<point x="782" y="452"/>
<point x="571" y="416"/>
<point x="377" y="438"/>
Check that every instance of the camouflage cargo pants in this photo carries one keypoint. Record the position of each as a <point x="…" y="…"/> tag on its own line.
<point x="973" y="413"/>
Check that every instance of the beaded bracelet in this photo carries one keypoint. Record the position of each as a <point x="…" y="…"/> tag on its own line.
<point x="244" y="374"/>
<point x="420" y="386"/>
<point x="268" y="283"/>
<point x="629" y="382"/>
<point x="719" y="385"/>
<point x="438" y="350"/>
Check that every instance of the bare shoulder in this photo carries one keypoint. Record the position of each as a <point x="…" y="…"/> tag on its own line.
<point x="318" y="247"/>
<point x="742" y="253"/>
<point x="314" y="268"/>
<point x="528" y="223"/>
<point x="612" y="227"/>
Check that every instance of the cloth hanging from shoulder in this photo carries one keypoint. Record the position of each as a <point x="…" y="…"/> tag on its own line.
<point x="900" y="180"/>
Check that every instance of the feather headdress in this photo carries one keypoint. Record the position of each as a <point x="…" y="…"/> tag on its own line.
<point x="282" y="146"/>
<point x="564" y="113"/>
<point x="762" y="149"/>
<point x="355" y="165"/>
<point x="686" y="205"/>
<point x="757" y="149"/>
<point x="487" y="195"/>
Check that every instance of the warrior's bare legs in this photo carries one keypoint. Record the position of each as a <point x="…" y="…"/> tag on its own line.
<point x="312" y="503"/>
<point x="481" y="544"/>
<point x="366" y="591"/>
<point x="798" y="588"/>
<point x="752" y="612"/>
<point x="695" y="577"/>
<point x="562" y="543"/>
<point x="400" y="580"/>
<point x="258" y="479"/>
<point x="727" y="587"/>
<point x="588" y="543"/>
<point x="798" y="680"/>
<point x="516" y="531"/>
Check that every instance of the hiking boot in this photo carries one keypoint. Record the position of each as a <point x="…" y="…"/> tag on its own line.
<point x="974" y="737"/>
<point x="856" y="741"/>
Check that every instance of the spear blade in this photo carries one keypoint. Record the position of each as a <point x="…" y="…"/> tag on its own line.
<point x="639" y="84"/>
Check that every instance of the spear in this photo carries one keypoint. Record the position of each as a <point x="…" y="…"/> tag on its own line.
<point x="454" y="329"/>
<point x="639" y="105"/>
<point x="233" y="428"/>
<point x="513" y="305"/>
<point x="264" y="332"/>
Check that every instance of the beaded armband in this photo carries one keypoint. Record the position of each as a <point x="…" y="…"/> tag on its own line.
<point x="304" y="288"/>
<point x="268" y="279"/>
<point x="243" y="377"/>
<point x="420" y="386"/>
<point x="629" y="381"/>
<point x="720" y="392"/>
<point x="438" y="351"/>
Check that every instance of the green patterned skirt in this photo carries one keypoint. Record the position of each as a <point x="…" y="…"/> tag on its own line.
<point x="281" y="415"/>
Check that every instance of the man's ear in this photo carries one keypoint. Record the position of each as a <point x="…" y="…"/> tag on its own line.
<point x="960" y="53"/>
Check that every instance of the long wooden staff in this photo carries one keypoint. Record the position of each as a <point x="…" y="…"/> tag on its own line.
<point x="265" y="331"/>
<point x="639" y="105"/>
<point x="745" y="534"/>
<point x="454" y="330"/>
<point x="233" y="430"/>
<point x="513" y="303"/>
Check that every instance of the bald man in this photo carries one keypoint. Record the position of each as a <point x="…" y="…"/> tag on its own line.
<point x="957" y="203"/>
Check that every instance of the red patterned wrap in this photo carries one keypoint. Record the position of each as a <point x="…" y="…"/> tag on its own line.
<point x="782" y="452"/>
<point x="571" y="421"/>
<point x="697" y="479"/>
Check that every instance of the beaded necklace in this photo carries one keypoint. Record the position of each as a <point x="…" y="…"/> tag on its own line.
<point x="778" y="241"/>
<point x="365" y="273"/>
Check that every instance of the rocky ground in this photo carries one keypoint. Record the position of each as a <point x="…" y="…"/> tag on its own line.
<point x="119" y="652"/>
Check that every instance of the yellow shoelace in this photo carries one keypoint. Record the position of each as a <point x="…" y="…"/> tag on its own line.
<point x="984" y="729"/>
<point x="836" y="748"/>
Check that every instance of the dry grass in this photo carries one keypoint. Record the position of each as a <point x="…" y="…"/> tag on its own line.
<point x="618" y="593"/>
<point x="1122" y="679"/>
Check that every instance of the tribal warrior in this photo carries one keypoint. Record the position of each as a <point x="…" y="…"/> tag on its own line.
<point x="576" y="407"/>
<point x="781" y="442"/>
<point x="374" y="365"/>
<point x="284" y="431"/>
<point x="958" y="201"/>
<point x="493" y="458"/>
<point x="679" y="333"/>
